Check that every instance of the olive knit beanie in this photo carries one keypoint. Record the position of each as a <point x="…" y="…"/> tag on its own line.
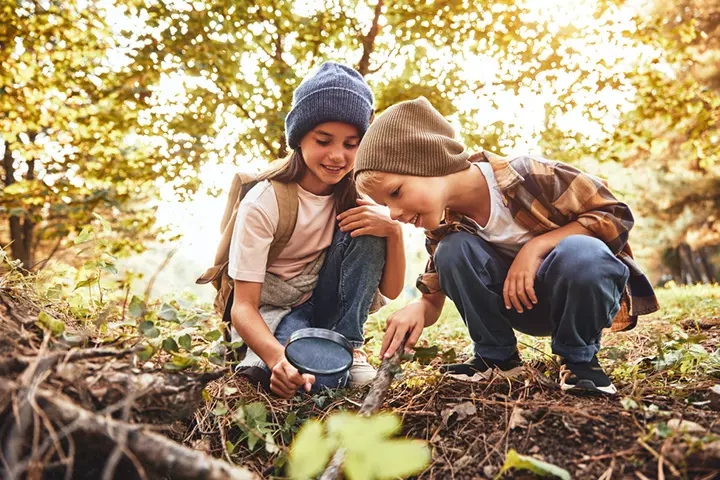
<point x="411" y="138"/>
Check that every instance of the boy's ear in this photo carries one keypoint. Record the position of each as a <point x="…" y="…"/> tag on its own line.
<point x="372" y="117"/>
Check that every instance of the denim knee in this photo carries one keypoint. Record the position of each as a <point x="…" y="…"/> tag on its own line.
<point x="584" y="260"/>
<point x="369" y="245"/>
<point x="452" y="251"/>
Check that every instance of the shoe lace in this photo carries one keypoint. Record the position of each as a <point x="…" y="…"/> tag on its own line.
<point x="359" y="356"/>
<point x="565" y="372"/>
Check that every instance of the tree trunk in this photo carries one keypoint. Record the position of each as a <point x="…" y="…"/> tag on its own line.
<point x="21" y="245"/>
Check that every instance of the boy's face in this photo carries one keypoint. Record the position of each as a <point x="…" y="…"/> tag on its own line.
<point x="419" y="201"/>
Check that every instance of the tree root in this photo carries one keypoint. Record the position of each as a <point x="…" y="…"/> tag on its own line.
<point x="146" y="450"/>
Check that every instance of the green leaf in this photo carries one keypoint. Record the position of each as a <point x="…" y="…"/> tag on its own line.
<point x="109" y="267"/>
<point x="84" y="236"/>
<point x="309" y="452"/>
<point x="168" y="313"/>
<point x="213" y="335"/>
<point x="137" y="307"/>
<point x="424" y="355"/>
<point x="185" y="341"/>
<point x="148" y="329"/>
<point x="56" y="327"/>
<point x="255" y="413"/>
<point x="523" y="462"/>
<point x="105" y="224"/>
<point x="86" y="283"/>
<point x="230" y="447"/>
<point x="252" y="442"/>
<point x="389" y="459"/>
<point x="220" y="409"/>
<point x="180" y="362"/>
<point x="146" y="353"/>
<point x="169" y="345"/>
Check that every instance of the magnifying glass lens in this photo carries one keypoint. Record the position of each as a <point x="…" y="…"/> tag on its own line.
<point x="319" y="352"/>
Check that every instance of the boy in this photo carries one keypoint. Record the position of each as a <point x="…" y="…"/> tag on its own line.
<point x="524" y="243"/>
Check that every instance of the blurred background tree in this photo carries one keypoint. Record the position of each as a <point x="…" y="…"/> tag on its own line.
<point x="65" y="112"/>
<point x="130" y="95"/>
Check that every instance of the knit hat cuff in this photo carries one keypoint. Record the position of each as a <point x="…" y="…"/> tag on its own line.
<point x="331" y="104"/>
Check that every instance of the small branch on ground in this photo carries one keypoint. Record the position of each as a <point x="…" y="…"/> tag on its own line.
<point x="372" y="403"/>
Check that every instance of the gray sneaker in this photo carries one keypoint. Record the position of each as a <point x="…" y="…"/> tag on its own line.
<point x="361" y="372"/>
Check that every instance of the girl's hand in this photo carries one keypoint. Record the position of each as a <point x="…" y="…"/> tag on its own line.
<point x="285" y="380"/>
<point x="519" y="288"/>
<point x="368" y="218"/>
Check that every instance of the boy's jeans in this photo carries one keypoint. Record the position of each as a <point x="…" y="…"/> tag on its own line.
<point x="342" y="297"/>
<point x="578" y="287"/>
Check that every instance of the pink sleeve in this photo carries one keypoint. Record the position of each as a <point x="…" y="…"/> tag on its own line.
<point x="250" y="244"/>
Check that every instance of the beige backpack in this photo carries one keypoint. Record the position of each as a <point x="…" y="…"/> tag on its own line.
<point x="287" y="199"/>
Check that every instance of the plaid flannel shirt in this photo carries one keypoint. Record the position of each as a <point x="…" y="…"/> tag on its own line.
<point x="544" y="195"/>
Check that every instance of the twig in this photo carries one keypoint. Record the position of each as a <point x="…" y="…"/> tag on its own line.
<point x="18" y="364"/>
<point x="372" y="403"/>
<point x="659" y="456"/>
<point x="121" y="446"/>
<point x="160" y="268"/>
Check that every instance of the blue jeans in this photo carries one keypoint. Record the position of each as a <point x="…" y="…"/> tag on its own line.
<point x="343" y="295"/>
<point x="578" y="285"/>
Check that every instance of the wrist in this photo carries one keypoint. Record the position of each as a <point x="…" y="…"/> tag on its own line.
<point x="396" y="230"/>
<point x="277" y="356"/>
<point x="539" y="246"/>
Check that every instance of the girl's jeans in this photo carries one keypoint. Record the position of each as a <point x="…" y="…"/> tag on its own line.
<point x="578" y="286"/>
<point x="342" y="297"/>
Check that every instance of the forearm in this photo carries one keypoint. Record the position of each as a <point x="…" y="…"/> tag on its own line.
<point x="255" y="333"/>
<point x="428" y="307"/>
<point x="546" y="242"/>
<point x="393" y="277"/>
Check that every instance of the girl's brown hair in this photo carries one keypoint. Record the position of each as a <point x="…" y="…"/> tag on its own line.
<point x="293" y="168"/>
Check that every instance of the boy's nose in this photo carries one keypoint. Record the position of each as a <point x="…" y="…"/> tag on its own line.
<point x="395" y="213"/>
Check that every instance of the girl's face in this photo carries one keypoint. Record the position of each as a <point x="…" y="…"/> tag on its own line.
<point x="329" y="152"/>
<point x="419" y="201"/>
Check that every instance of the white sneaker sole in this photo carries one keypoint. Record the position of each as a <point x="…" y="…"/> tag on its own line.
<point x="587" y="386"/>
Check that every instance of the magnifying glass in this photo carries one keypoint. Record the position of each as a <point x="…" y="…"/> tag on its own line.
<point x="319" y="351"/>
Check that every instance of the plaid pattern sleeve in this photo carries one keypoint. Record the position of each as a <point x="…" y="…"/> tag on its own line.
<point x="555" y="194"/>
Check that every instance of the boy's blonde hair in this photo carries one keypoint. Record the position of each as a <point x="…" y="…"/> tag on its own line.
<point x="366" y="180"/>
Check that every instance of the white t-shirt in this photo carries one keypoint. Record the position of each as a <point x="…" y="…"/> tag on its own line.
<point x="501" y="230"/>
<point x="257" y="220"/>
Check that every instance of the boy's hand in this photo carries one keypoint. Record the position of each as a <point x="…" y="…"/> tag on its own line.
<point x="519" y="288"/>
<point x="368" y="218"/>
<point x="285" y="380"/>
<point x="410" y="321"/>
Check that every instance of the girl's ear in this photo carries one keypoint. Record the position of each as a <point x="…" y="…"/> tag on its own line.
<point x="372" y="117"/>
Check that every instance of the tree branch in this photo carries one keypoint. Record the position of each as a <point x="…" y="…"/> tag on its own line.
<point x="372" y="403"/>
<point x="368" y="42"/>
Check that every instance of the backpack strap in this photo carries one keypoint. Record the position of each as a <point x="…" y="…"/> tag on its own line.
<point x="287" y="200"/>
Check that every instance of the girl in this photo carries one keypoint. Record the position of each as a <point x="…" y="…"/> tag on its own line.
<point x="325" y="276"/>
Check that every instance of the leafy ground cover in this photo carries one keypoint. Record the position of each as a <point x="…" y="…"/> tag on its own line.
<point x="662" y="424"/>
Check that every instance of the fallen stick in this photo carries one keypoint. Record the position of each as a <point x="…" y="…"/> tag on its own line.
<point x="371" y="404"/>
<point x="18" y="364"/>
<point x="152" y="450"/>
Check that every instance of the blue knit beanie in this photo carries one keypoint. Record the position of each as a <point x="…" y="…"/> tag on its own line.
<point x="336" y="93"/>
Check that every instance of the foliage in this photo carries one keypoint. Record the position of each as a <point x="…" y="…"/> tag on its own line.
<point x="666" y="126"/>
<point x="369" y="452"/>
<point x="514" y="460"/>
<point x="66" y="110"/>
